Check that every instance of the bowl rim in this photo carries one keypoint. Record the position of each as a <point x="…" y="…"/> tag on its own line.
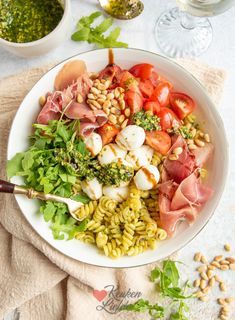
<point x="226" y="149"/>
<point x="45" y="38"/>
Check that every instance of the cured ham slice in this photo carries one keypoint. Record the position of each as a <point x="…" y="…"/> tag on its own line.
<point x="181" y="202"/>
<point x="202" y="155"/>
<point x="69" y="73"/>
<point x="87" y="127"/>
<point x="52" y="108"/>
<point x="180" y="169"/>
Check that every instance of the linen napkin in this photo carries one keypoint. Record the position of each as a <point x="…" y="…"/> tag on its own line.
<point x="39" y="281"/>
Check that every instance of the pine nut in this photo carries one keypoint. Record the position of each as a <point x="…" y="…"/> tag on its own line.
<point x="227" y="247"/>
<point x="228" y="300"/>
<point x="112" y="119"/>
<point x="107" y="84"/>
<point x="105" y="92"/>
<point x="121" y="89"/>
<point x="199" y="143"/>
<point x="193" y="132"/>
<point x="230" y="259"/>
<point x="218" y="258"/>
<point x="124" y="124"/>
<point x="199" y="294"/>
<point x="121" y="118"/>
<point x="110" y="96"/>
<point x="222" y="286"/>
<point x="207" y="137"/>
<point x="201" y="134"/>
<point x="204" y="298"/>
<point x="42" y="100"/>
<point x="79" y="98"/>
<point x="100" y="101"/>
<point x="222" y="317"/>
<point x="196" y="283"/>
<point x="221" y="301"/>
<point x="173" y="157"/>
<point x="114" y="102"/>
<point x="202" y="284"/>
<point x="212" y="282"/>
<point x="197" y="256"/>
<point x="107" y="104"/>
<point x="102" y="96"/>
<point x="203" y="276"/>
<point x="206" y="290"/>
<point x="178" y="151"/>
<point x="215" y="264"/>
<point x="188" y="125"/>
<point x="122" y="95"/>
<point x="224" y="267"/>
<point x="192" y="147"/>
<point x="232" y="266"/>
<point x="201" y="268"/>
<point x="115" y="111"/>
<point x="95" y="104"/>
<point x="190" y="141"/>
<point x="225" y="309"/>
<point x="209" y="274"/>
<point x="101" y="87"/>
<point x="127" y="112"/>
<point x="116" y="92"/>
<point x="203" y="259"/>
<point x="210" y="267"/>
<point x="95" y="90"/>
<point x="224" y="262"/>
<point x="217" y="278"/>
<point x="122" y="104"/>
<point x="106" y="110"/>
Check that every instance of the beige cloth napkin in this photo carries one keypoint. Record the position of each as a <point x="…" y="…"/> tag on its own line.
<point x="41" y="282"/>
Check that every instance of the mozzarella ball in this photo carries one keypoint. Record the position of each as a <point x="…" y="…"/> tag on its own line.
<point x="92" y="188"/>
<point x="110" y="153"/>
<point x="116" y="193"/>
<point x="94" y="143"/>
<point x="140" y="157"/>
<point x="147" y="177"/>
<point x="130" y="138"/>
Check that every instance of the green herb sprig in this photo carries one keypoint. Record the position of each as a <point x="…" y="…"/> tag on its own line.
<point x="86" y="32"/>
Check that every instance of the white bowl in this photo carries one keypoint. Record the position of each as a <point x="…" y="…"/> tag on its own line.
<point x="45" y="44"/>
<point x="206" y="111"/>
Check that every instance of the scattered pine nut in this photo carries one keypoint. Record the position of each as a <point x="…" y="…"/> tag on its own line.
<point x="209" y="274"/>
<point x="224" y="262"/>
<point x="201" y="268"/>
<point x="192" y="146"/>
<point x="218" y="258"/>
<point x="224" y="267"/>
<point x="211" y="267"/>
<point x="204" y="298"/>
<point x="224" y="309"/>
<point x="216" y="264"/>
<point x="228" y="300"/>
<point x="222" y="317"/>
<point x="212" y="282"/>
<point x="227" y="247"/>
<point x="232" y="266"/>
<point x="217" y="278"/>
<point x="203" y="275"/>
<point x="222" y="286"/>
<point x="121" y="118"/>
<point x="196" y="283"/>
<point x="203" y="284"/>
<point x="197" y="256"/>
<point x="221" y="301"/>
<point x="42" y="101"/>
<point x="230" y="259"/>
<point x="203" y="259"/>
<point x="206" y="290"/>
<point x="199" y="294"/>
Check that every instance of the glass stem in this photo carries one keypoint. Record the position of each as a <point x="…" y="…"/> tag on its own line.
<point x="188" y="21"/>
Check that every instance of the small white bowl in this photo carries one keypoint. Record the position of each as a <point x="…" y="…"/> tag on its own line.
<point x="45" y="44"/>
<point x="206" y="113"/>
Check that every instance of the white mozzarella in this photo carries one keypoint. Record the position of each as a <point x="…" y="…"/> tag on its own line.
<point x="116" y="193"/>
<point x="92" y="188"/>
<point x="110" y="153"/>
<point x="94" y="143"/>
<point x="140" y="157"/>
<point x="131" y="137"/>
<point x="147" y="177"/>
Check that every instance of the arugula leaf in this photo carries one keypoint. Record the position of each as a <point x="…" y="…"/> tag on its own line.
<point x="86" y="32"/>
<point x="81" y="198"/>
<point x="28" y="160"/>
<point x="48" y="211"/>
<point x="155" y="274"/>
<point x="155" y="311"/>
<point x="171" y="271"/>
<point x="15" y="164"/>
<point x="179" y="315"/>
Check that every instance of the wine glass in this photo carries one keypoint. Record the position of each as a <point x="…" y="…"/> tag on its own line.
<point x="185" y="30"/>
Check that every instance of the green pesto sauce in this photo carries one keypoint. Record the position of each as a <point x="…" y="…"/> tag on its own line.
<point x="28" y="20"/>
<point x="123" y="7"/>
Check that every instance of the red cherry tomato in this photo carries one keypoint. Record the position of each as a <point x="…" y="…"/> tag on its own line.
<point x="168" y="118"/>
<point x="142" y="70"/>
<point x="134" y="100"/>
<point x="127" y="80"/>
<point x="162" y="93"/>
<point x="162" y="79"/>
<point x="159" y="141"/>
<point x="146" y="88"/>
<point x="182" y="104"/>
<point x="108" y="132"/>
<point x="154" y="78"/>
<point x="153" y="106"/>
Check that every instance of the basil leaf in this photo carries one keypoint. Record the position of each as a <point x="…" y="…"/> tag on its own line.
<point x="104" y="26"/>
<point x="81" y="34"/>
<point x="87" y="21"/>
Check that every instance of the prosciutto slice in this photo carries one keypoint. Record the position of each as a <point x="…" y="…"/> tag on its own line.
<point x="202" y="155"/>
<point x="181" y="201"/>
<point x="180" y="169"/>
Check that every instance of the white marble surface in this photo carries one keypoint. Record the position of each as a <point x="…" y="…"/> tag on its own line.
<point x="139" y="34"/>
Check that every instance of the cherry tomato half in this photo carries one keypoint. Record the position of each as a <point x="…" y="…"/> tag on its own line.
<point x="168" y="118"/>
<point x="153" y="106"/>
<point x="146" y="88"/>
<point x="108" y="132"/>
<point x="142" y="70"/>
<point x="127" y="80"/>
<point x="162" y="93"/>
<point x="134" y="100"/>
<point x="182" y="104"/>
<point x="159" y="141"/>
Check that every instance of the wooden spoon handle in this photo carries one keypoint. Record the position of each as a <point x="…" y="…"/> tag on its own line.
<point x="6" y="187"/>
